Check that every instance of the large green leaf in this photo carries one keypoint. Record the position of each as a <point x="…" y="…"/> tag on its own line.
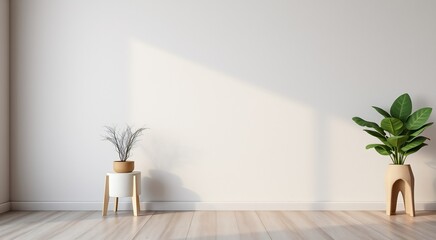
<point x="415" y="143"/>
<point x="382" y="138"/>
<point x="418" y="118"/>
<point x="382" y="112"/>
<point x="364" y="123"/>
<point x="414" y="150"/>
<point x="416" y="133"/>
<point x="380" y="148"/>
<point x="369" y="146"/>
<point x="382" y="151"/>
<point x="402" y="107"/>
<point x="397" y="141"/>
<point x="392" y="125"/>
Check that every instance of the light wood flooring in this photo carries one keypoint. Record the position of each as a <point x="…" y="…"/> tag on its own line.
<point x="225" y="225"/>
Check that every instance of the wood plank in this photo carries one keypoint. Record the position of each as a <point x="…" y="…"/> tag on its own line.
<point x="54" y="226"/>
<point x="276" y="227"/>
<point x="203" y="226"/>
<point x="416" y="227"/>
<point x="166" y="225"/>
<point x="155" y="226"/>
<point x="11" y="216"/>
<point x="179" y="226"/>
<point x="357" y="227"/>
<point x="375" y="225"/>
<point x="250" y="226"/>
<point x="332" y="227"/>
<point x="122" y="225"/>
<point x="227" y="226"/>
<point x="429" y="215"/>
<point x="81" y="226"/>
<point x="305" y="227"/>
<point x="131" y="225"/>
<point x="21" y="226"/>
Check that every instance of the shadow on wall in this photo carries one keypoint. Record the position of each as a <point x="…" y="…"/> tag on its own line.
<point x="334" y="64"/>
<point x="432" y="164"/>
<point x="430" y="159"/>
<point x="163" y="186"/>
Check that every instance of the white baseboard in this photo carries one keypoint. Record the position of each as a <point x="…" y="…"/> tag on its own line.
<point x="5" y="207"/>
<point x="218" y="206"/>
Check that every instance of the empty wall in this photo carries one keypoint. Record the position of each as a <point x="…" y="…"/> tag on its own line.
<point x="4" y="105"/>
<point x="249" y="104"/>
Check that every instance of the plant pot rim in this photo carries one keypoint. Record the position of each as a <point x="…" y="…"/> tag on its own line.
<point x="391" y="164"/>
<point x="123" y="161"/>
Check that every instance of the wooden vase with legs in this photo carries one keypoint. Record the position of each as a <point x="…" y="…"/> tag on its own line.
<point x="399" y="178"/>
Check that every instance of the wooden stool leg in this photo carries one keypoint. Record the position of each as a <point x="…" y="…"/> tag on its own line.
<point x="106" y="196"/>
<point x="138" y="203"/>
<point x="135" y="198"/>
<point x="116" y="204"/>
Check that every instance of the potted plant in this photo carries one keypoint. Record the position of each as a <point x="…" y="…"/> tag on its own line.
<point x="399" y="135"/>
<point x="123" y="141"/>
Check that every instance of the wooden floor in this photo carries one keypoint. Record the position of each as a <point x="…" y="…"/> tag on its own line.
<point x="217" y="225"/>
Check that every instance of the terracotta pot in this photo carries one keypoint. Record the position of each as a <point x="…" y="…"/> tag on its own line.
<point x="399" y="178"/>
<point x="124" y="167"/>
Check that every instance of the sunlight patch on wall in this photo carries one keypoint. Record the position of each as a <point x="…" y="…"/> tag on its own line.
<point x="214" y="131"/>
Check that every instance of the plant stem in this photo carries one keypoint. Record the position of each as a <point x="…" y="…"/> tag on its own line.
<point x="392" y="159"/>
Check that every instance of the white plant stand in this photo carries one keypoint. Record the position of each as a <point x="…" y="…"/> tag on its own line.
<point x="122" y="185"/>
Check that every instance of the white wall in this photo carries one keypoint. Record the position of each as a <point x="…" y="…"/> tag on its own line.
<point x="4" y="105"/>
<point x="249" y="103"/>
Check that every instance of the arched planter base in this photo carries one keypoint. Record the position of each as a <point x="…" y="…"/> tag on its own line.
<point x="399" y="178"/>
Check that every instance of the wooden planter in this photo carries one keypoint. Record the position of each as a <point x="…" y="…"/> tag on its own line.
<point x="399" y="178"/>
<point x="124" y="167"/>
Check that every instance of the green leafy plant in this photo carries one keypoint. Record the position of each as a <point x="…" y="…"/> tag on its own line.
<point x="399" y="131"/>
<point x="123" y="140"/>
